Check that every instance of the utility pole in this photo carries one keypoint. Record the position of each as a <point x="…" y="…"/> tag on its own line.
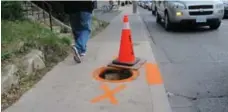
<point x="134" y="6"/>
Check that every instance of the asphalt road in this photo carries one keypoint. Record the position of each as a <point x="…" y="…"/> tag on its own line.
<point x="194" y="65"/>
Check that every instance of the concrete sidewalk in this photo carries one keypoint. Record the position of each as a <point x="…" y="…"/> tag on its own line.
<point x="106" y="16"/>
<point x="70" y="87"/>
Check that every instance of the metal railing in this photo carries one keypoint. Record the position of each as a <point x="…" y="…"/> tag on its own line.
<point x="107" y="8"/>
<point x="40" y="6"/>
<point x="49" y="12"/>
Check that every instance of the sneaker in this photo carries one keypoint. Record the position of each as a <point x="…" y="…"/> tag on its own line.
<point x="76" y="55"/>
<point x="82" y="54"/>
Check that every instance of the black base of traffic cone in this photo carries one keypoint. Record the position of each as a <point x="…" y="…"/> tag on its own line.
<point x="135" y="65"/>
<point x="116" y="61"/>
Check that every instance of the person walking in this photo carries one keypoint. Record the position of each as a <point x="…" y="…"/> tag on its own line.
<point x="80" y="15"/>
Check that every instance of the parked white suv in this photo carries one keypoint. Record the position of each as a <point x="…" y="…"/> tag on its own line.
<point x="200" y="12"/>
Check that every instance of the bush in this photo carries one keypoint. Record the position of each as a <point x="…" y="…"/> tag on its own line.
<point x="12" y="10"/>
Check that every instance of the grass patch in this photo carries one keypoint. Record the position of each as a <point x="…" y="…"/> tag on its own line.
<point x="18" y="39"/>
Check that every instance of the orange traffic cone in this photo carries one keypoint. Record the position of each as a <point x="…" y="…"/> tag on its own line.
<point x="126" y="51"/>
<point x="126" y="58"/>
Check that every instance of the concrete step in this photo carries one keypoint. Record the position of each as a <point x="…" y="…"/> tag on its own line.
<point x="61" y="35"/>
<point x="35" y="17"/>
<point x="37" y="12"/>
<point x="56" y="29"/>
<point x="30" y="8"/>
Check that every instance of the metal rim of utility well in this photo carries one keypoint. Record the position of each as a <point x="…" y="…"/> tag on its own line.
<point x="99" y="71"/>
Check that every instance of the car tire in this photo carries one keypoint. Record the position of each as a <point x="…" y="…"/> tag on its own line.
<point x="168" y="24"/>
<point x="158" y="18"/>
<point x="154" y="11"/>
<point x="215" y="25"/>
<point x="225" y="16"/>
<point x="122" y="4"/>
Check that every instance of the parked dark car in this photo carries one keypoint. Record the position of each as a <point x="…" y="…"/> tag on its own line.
<point x="225" y="2"/>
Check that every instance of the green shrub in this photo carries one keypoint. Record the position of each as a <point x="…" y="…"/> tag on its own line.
<point x="12" y="10"/>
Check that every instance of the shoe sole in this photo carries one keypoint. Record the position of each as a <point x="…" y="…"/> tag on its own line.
<point x="76" y="56"/>
<point x="82" y="55"/>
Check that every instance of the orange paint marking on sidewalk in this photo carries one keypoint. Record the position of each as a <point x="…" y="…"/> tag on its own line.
<point x="108" y="94"/>
<point x="153" y="75"/>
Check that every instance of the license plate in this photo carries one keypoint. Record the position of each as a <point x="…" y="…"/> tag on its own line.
<point x="201" y="20"/>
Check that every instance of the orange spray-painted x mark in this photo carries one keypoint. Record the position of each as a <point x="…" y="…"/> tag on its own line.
<point x="108" y="94"/>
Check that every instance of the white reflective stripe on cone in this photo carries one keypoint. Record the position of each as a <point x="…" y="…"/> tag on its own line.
<point x="126" y="25"/>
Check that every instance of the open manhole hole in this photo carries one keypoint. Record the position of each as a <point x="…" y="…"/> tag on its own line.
<point x="114" y="74"/>
<point x="108" y="74"/>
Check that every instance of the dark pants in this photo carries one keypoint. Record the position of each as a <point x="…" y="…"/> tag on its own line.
<point x="81" y="28"/>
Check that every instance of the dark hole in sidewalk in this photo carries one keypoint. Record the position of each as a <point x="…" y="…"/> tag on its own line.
<point x="115" y="75"/>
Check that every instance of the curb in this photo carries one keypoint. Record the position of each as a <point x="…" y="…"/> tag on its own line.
<point x="159" y="98"/>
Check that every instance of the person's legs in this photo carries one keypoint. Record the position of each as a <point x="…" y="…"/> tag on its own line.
<point x="85" y="21"/>
<point x="75" y="26"/>
<point x="81" y="27"/>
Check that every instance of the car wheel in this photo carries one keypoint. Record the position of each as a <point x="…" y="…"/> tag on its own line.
<point x="215" y="25"/>
<point x="154" y="11"/>
<point x="158" y="18"/>
<point x="168" y="25"/>
<point x="122" y="4"/>
<point x="225" y="16"/>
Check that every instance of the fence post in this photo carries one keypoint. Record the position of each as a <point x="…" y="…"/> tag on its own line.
<point x="50" y="18"/>
<point x="43" y="5"/>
